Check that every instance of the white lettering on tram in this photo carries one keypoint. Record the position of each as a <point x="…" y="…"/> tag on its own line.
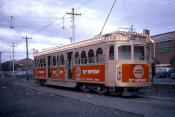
<point x="96" y="71"/>
<point x="40" y="72"/>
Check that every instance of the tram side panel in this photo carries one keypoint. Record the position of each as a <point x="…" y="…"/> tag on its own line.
<point x="89" y="73"/>
<point x="135" y="73"/>
<point x="40" y="73"/>
<point x="57" y="73"/>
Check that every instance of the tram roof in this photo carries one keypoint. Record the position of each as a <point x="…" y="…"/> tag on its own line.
<point x="113" y="36"/>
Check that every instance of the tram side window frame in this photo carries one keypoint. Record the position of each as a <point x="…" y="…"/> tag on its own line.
<point x="83" y="57"/>
<point x="57" y="60"/>
<point x="40" y="62"/>
<point x="99" y="55"/>
<point x="38" y="65"/>
<point x="111" y="52"/>
<point x="44" y="62"/>
<point x="54" y="61"/>
<point x="139" y="52"/>
<point x="35" y="62"/>
<point x="77" y="58"/>
<point x="62" y="59"/>
<point x="123" y="53"/>
<point x="91" y="56"/>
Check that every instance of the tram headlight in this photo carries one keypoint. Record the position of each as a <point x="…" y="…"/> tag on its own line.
<point x="119" y="73"/>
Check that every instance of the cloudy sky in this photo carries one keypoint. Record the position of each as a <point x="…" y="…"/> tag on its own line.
<point x="42" y="21"/>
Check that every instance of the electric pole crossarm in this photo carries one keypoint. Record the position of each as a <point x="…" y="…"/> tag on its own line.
<point x="73" y="23"/>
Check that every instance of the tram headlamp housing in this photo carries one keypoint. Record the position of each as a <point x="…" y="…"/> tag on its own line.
<point x="119" y="73"/>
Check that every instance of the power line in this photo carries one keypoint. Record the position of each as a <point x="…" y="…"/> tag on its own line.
<point x="152" y="9"/>
<point x="107" y="17"/>
<point x="83" y="4"/>
<point x="73" y="23"/>
<point x="42" y="28"/>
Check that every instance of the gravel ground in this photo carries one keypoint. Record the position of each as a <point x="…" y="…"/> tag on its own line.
<point x="17" y="101"/>
<point x="160" y="90"/>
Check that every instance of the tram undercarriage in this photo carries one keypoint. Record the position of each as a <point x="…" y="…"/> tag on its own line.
<point x="95" y="88"/>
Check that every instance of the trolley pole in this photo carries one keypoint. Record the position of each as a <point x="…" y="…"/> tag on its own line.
<point x="73" y="23"/>
<point x="27" y="55"/>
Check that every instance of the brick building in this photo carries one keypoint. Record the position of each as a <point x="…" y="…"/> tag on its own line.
<point x="23" y="63"/>
<point x="164" y="47"/>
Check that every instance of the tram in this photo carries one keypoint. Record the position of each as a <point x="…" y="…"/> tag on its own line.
<point x="116" y="62"/>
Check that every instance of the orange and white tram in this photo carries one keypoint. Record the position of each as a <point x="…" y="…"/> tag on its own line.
<point x="116" y="62"/>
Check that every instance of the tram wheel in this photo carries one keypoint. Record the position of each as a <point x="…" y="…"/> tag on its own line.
<point x="85" y="88"/>
<point x="100" y="89"/>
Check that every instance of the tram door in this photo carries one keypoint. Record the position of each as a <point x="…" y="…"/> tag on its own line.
<point x="110" y="71"/>
<point x="69" y="65"/>
<point x="48" y="66"/>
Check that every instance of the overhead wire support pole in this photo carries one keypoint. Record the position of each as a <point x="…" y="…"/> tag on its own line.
<point x="0" y="63"/>
<point x="107" y="17"/>
<point x="73" y="23"/>
<point x="13" y="61"/>
<point x="27" y="55"/>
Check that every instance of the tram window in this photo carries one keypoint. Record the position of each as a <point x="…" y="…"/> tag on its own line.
<point x="124" y="52"/>
<point x="111" y="52"/>
<point x="54" y="61"/>
<point x="57" y="60"/>
<point x="91" y="57"/>
<point x="148" y="53"/>
<point x="77" y="59"/>
<point x="99" y="54"/>
<point x="37" y="62"/>
<point x="44" y="62"/>
<point x="61" y="60"/>
<point x="83" y="57"/>
<point x="139" y="53"/>
<point x="41" y="65"/>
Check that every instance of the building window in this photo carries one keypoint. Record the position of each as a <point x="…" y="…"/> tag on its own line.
<point x="165" y="46"/>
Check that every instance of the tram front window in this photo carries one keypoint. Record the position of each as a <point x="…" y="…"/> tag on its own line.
<point x="139" y="53"/>
<point x="124" y="52"/>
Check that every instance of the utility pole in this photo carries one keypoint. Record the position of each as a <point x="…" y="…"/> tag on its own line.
<point x="73" y="23"/>
<point x="0" y="62"/>
<point x="27" y="55"/>
<point x="13" y="51"/>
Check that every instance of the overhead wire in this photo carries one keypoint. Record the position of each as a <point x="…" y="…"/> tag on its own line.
<point x="107" y="17"/>
<point x="152" y="9"/>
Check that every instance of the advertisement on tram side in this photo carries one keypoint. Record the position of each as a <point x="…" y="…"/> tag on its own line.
<point x="95" y="73"/>
<point x="135" y="73"/>
<point x="57" y="73"/>
<point x="40" y="72"/>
